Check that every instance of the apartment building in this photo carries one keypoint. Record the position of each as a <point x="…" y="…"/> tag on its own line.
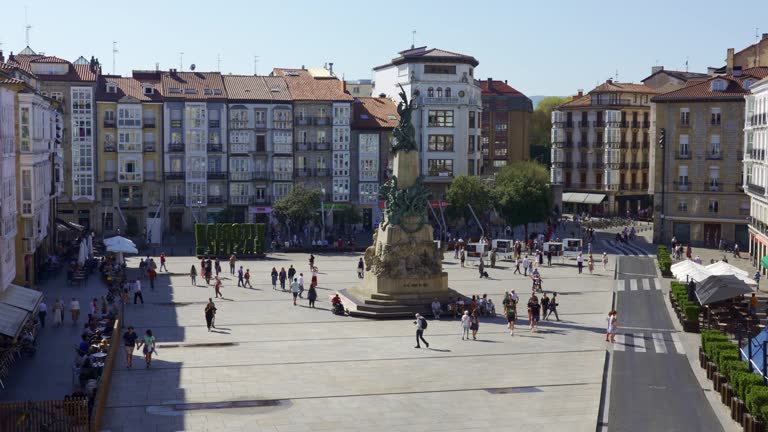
<point x="664" y="80"/>
<point x="9" y="88"/>
<point x="260" y="129"/>
<point x="600" y="149"/>
<point x="505" y="124"/>
<point x="697" y="164"/>
<point x="195" y="148"/>
<point x="321" y="133"/>
<point x="756" y="171"/>
<point x="446" y="96"/>
<point x="373" y="120"/>
<point x="73" y="85"/>
<point x="360" y="88"/>
<point x="129" y="181"/>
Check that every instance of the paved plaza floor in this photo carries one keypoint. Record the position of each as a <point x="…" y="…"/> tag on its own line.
<point x="272" y="366"/>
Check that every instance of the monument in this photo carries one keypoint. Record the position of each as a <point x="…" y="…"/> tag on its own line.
<point x="404" y="268"/>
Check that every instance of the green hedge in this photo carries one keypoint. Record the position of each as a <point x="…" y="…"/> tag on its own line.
<point x="763" y="414"/>
<point x="665" y="260"/>
<point x="725" y="355"/>
<point x="757" y="398"/>
<point x="226" y="239"/>
<point x="692" y="312"/>
<point x="714" y="348"/>
<point x="730" y="367"/>
<point x="708" y="336"/>
<point x="744" y="381"/>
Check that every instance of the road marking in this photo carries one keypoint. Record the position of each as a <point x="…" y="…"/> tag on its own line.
<point x="657" y="283"/>
<point x="619" y="345"/>
<point x="646" y="284"/>
<point x="633" y="284"/>
<point x="648" y="329"/>
<point x="658" y="343"/>
<point x="620" y="285"/>
<point x="639" y="342"/>
<point x="678" y="343"/>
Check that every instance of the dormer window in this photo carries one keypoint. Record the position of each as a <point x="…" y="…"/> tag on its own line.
<point x="430" y="92"/>
<point x="111" y="88"/>
<point x="208" y="91"/>
<point x="748" y="83"/>
<point x="718" y="85"/>
<point x="148" y="89"/>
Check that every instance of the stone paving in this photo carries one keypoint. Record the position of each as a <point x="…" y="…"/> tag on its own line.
<point x="291" y="368"/>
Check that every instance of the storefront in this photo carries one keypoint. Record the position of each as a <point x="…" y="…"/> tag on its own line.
<point x="758" y="249"/>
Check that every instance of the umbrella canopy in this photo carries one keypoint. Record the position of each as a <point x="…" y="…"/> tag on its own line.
<point x="89" y="242"/>
<point x="20" y="297"/>
<point x="122" y="247"/>
<point x="82" y="254"/>
<point x="723" y="268"/>
<point x="722" y="287"/>
<point x="11" y="320"/>
<point x="687" y="270"/>
<point x="119" y="239"/>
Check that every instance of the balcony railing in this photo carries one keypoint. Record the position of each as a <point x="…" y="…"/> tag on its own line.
<point x="755" y="189"/>
<point x="313" y="121"/>
<point x="241" y="199"/>
<point x="261" y="175"/>
<point x="176" y="147"/>
<point x="758" y="154"/>
<point x="130" y="202"/>
<point x="175" y="123"/>
<point x="109" y="123"/>
<point x="682" y="155"/>
<point x="215" y="148"/>
<point x="303" y="172"/>
<point x="242" y="148"/>
<point x="714" y="155"/>
<point x="583" y="123"/>
<point x="215" y="199"/>
<point x="681" y="186"/>
<point x="110" y="175"/>
<point x="174" y="175"/>
<point x="148" y="123"/>
<point x="322" y="172"/>
<point x="130" y="177"/>
<point x="439" y="100"/>
<point x="241" y="175"/>
<point x="177" y="200"/>
<point x="217" y="175"/>
<point x="282" y="176"/>
<point x="598" y="123"/>
<point x="283" y="148"/>
<point x="214" y="124"/>
<point x="149" y="147"/>
<point x="713" y="187"/>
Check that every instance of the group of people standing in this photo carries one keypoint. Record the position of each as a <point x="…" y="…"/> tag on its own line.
<point x="296" y="283"/>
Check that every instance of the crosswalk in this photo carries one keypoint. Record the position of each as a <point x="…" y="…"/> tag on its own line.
<point x="660" y="343"/>
<point x="645" y="284"/>
<point x="624" y="248"/>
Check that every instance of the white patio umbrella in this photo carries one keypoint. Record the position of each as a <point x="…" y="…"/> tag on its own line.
<point x="82" y="253"/>
<point x="89" y="239"/>
<point x="723" y="268"/>
<point x="118" y="239"/>
<point x="122" y="246"/>
<point x="686" y="270"/>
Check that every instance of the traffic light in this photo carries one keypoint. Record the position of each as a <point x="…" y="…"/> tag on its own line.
<point x="662" y="137"/>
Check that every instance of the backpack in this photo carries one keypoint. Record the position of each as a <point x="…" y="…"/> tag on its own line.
<point x="423" y="323"/>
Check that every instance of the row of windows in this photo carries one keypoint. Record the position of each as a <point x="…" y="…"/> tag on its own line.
<point x="431" y="92"/>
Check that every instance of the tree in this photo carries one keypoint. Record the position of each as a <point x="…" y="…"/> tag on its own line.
<point x="522" y="193"/>
<point x="465" y="190"/>
<point x="541" y="120"/>
<point x="297" y="208"/>
<point x="347" y="216"/>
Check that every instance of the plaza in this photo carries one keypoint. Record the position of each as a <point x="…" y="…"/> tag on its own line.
<point x="291" y="368"/>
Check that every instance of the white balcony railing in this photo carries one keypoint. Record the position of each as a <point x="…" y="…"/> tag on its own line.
<point x="130" y="177"/>
<point x="241" y="199"/>
<point x="283" y="148"/>
<point x="439" y="100"/>
<point x="242" y="147"/>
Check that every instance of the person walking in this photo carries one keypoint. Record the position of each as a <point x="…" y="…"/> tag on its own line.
<point x="552" y="308"/>
<point x="232" y="262"/>
<point x="481" y="268"/>
<point x="526" y="263"/>
<point x="605" y="261"/>
<point x="42" y="312"/>
<point x="193" y="275"/>
<point x="208" y="273"/>
<point x="301" y="284"/>
<point x="247" y="277"/>
<point x="273" y="275"/>
<point x="152" y="276"/>
<point x="510" y="311"/>
<point x="474" y="323"/>
<point x="210" y="313"/>
<point x="360" y="269"/>
<point x="129" y="344"/>
<point x="421" y="325"/>
<point x="240" y="277"/>
<point x="757" y="279"/>
<point x="148" y="341"/>
<point x="137" y="295"/>
<point x="282" y="278"/>
<point x="590" y="264"/>
<point x="517" y="266"/>
<point x="312" y="295"/>
<point x="58" y="312"/>
<point x="162" y="262"/>
<point x="313" y="281"/>
<point x="311" y="262"/>
<point x="462" y="257"/>
<point x="544" y="305"/>
<point x="217" y="287"/>
<point x="295" y="289"/>
<point x="291" y="273"/>
<point x="493" y="258"/>
<point x="549" y="258"/>
<point x="610" y="335"/>
<point x="580" y="262"/>
<point x="217" y="266"/>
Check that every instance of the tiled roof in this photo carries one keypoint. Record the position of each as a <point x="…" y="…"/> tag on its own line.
<point x="7" y="66"/>
<point x="702" y="90"/>
<point x="610" y="86"/>
<point x="374" y="113"/>
<point x="193" y="85"/>
<point x="11" y="81"/>
<point x="304" y="87"/>
<point x="681" y="75"/>
<point x="48" y="59"/>
<point x="576" y="102"/>
<point x="256" y="88"/>
<point x="423" y="54"/>
<point x="278" y="88"/>
<point x="498" y="88"/>
<point x="77" y="72"/>
<point x="126" y="87"/>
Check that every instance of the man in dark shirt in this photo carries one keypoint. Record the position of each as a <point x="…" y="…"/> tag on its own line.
<point x="84" y="345"/>
<point x="129" y="342"/>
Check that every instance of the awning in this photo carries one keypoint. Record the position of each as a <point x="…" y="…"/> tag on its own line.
<point x="11" y="320"/>
<point x="583" y="198"/>
<point x="764" y="262"/>
<point x="20" y="297"/>
<point x="718" y="288"/>
<point x="69" y="225"/>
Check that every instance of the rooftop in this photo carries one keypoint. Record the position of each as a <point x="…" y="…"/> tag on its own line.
<point x="702" y="89"/>
<point x="126" y="87"/>
<point x="304" y="86"/>
<point x="431" y="55"/>
<point x="256" y="88"/>
<point x="374" y="113"/>
<point x="193" y="85"/>
<point x="491" y="87"/>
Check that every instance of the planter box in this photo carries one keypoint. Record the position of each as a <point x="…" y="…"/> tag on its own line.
<point x="711" y="369"/>
<point x="726" y="393"/>
<point x="702" y="358"/>
<point x="717" y="381"/>
<point x="752" y="424"/>
<point x="737" y="409"/>
<point x="691" y="326"/>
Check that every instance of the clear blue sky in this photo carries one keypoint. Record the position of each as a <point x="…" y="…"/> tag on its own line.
<point x="542" y="47"/>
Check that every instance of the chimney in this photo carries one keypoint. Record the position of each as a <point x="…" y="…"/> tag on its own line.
<point x="655" y="69"/>
<point x="490" y="84"/>
<point x="505" y="81"/>
<point x="330" y="68"/>
<point x="729" y="62"/>
<point x="609" y="81"/>
<point x="343" y="85"/>
<point x="581" y="92"/>
<point x="11" y="57"/>
<point x="737" y="71"/>
<point x="765" y="36"/>
<point x="2" y="57"/>
<point x="157" y="66"/>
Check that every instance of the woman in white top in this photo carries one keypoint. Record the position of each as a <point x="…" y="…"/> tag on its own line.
<point x="58" y="312"/>
<point x="74" y="309"/>
<point x="465" y="325"/>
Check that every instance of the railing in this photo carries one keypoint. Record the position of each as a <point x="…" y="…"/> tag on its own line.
<point x="214" y="124"/>
<point x="175" y="123"/>
<point x="755" y="189"/>
<point x="303" y="172"/>
<point x="682" y="155"/>
<point x="174" y="175"/>
<point x="758" y="154"/>
<point x="110" y="175"/>
<point x="714" y="156"/>
<point x="322" y="172"/>
<point x="176" y="147"/>
<point x="583" y="123"/>
<point x="130" y="148"/>
<point x="63" y="415"/>
<point x="262" y="200"/>
<point x="215" y="148"/>
<point x="635" y="145"/>
<point x="313" y="121"/>
<point x="261" y="175"/>
<point x="600" y="123"/>
<point x="177" y="200"/>
<point x="109" y="123"/>
<point x="149" y="147"/>
<point x="148" y="123"/>
<point x="105" y="382"/>
<point x="309" y="146"/>
<point x="129" y="177"/>
<point x="242" y="147"/>
<point x="713" y="187"/>
<point x="282" y="176"/>
<point x="215" y="199"/>
<point x="681" y="186"/>
<point x="241" y="199"/>
<point x="260" y="125"/>
<point x="238" y="124"/>
<point x="130" y="202"/>
<point x="217" y="175"/>
<point x="558" y="144"/>
<point x="439" y="100"/>
<point x="241" y="175"/>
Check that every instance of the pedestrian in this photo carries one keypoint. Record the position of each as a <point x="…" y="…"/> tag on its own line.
<point x="301" y="284"/>
<point x="311" y="262"/>
<point x="533" y="300"/>
<point x="162" y="262"/>
<point x="247" y="278"/>
<point x="273" y="275"/>
<point x="421" y="325"/>
<point x="465" y="318"/>
<point x="129" y="344"/>
<point x="58" y="312"/>
<point x="544" y="305"/>
<point x="137" y="295"/>
<point x="312" y="296"/>
<point x="313" y="282"/>
<point x="217" y="287"/>
<point x="474" y="323"/>
<point x="149" y="347"/>
<point x="517" y="266"/>
<point x="526" y="263"/>
<point x="757" y="279"/>
<point x="193" y="275"/>
<point x="462" y="256"/>
<point x="552" y="308"/>
<point x="580" y="262"/>
<point x="510" y="311"/>
<point x="610" y="335"/>
<point x="436" y="308"/>
<point x="152" y="276"/>
<point x="360" y="269"/>
<point x="210" y="313"/>
<point x="103" y="306"/>
<point x="590" y="264"/>
<point x="282" y="278"/>
<point x="232" y="261"/>
<point x="481" y="268"/>
<point x="217" y="266"/>
<point x="605" y="261"/>
<point x="540" y="256"/>
<point x="295" y="289"/>
<point x="456" y="251"/>
<point x="208" y="271"/>
<point x="42" y="311"/>
<point x="240" y="277"/>
<point x="549" y="258"/>
<point x="493" y="258"/>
